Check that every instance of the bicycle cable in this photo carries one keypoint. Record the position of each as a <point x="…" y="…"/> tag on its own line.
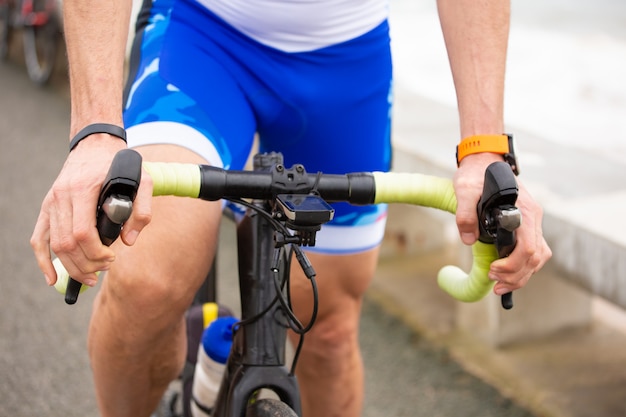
<point x="303" y="331"/>
<point x="292" y="321"/>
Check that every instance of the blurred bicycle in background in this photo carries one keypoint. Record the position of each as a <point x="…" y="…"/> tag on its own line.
<point x="40" y="23"/>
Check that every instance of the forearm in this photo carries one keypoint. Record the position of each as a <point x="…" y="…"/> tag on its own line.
<point x="476" y="36"/>
<point x="96" y="34"/>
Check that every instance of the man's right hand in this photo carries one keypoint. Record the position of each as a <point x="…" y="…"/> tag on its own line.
<point x="67" y="220"/>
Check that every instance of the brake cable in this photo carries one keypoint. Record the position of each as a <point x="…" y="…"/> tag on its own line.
<point x="292" y="321"/>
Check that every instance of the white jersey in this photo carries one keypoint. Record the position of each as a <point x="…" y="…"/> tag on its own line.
<point x="300" y="25"/>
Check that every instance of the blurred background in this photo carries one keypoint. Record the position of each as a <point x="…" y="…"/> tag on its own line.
<point x="565" y="74"/>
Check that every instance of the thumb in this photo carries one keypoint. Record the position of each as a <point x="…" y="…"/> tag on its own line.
<point x="142" y="212"/>
<point x="467" y="223"/>
<point x="468" y="187"/>
<point x="466" y="216"/>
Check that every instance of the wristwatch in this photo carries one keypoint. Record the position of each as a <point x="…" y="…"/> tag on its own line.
<point x="501" y="144"/>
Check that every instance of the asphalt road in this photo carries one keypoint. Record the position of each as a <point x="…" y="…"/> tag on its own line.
<point x="44" y="369"/>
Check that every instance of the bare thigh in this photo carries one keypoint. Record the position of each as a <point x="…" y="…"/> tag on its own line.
<point x="342" y="282"/>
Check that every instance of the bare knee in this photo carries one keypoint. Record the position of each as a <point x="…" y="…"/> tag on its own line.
<point x="149" y="292"/>
<point x="138" y="315"/>
<point x="330" y="346"/>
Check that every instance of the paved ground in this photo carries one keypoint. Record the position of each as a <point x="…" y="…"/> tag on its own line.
<point x="43" y="366"/>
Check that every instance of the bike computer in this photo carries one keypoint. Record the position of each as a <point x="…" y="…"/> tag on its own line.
<point x="305" y="209"/>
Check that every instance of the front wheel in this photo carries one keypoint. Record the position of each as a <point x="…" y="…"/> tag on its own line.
<point x="268" y="407"/>
<point x="40" y="49"/>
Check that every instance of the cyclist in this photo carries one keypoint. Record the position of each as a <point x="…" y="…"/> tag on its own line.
<point x="314" y="80"/>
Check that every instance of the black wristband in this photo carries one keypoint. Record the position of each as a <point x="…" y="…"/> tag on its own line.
<point x="98" y="128"/>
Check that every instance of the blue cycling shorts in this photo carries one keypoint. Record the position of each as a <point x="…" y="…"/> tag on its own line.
<point x="197" y="82"/>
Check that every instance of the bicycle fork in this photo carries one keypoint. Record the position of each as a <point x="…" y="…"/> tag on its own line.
<point x="257" y="359"/>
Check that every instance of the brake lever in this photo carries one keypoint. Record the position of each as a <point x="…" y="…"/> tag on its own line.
<point x="498" y="217"/>
<point x="114" y="205"/>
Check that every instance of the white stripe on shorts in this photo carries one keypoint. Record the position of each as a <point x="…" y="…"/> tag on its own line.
<point x="174" y="133"/>
<point x="340" y="240"/>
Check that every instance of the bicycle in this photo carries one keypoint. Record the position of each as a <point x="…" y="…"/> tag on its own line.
<point x="41" y="29"/>
<point x="287" y="207"/>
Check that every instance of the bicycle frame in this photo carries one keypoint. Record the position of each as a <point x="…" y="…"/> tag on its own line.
<point x="257" y="359"/>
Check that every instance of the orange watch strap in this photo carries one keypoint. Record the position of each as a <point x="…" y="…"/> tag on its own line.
<point x="482" y="143"/>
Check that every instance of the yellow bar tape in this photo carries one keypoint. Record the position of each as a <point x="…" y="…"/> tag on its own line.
<point x="182" y="180"/>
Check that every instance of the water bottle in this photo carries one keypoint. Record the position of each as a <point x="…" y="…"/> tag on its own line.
<point x="212" y="355"/>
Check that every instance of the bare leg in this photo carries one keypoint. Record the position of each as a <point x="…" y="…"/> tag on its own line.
<point x="137" y="337"/>
<point x="330" y="369"/>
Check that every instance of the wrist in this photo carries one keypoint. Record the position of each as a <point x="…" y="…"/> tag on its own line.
<point x="482" y="158"/>
<point x="111" y="129"/>
<point x="496" y="147"/>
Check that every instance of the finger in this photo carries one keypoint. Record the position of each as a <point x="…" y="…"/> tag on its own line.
<point x="92" y="253"/>
<point x="142" y="211"/>
<point x="59" y="210"/>
<point x="40" y="242"/>
<point x="65" y="245"/>
<point x="501" y="288"/>
<point x="533" y="212"/>
<point x="466" y="217"/>
<point x="62" y="247"/>
<point x="515" y="279"/>
<point x="467" y="189"/>
<point x="514" y="271"/>
<point x="546" y="254"/>
<point x="88" y="278"/>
